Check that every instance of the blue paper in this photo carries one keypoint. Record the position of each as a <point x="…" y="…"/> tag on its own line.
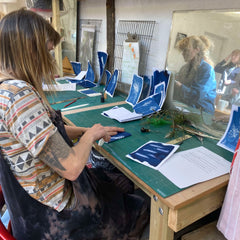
<point x="90" y="73"/>
<point x="87" y="84"/>
<point x="76" y="67"/>
<point x="119" y="135"/>
<point x="102" y="59"/>
<point x="153" y="154"/>
<point x="112" y="84"/>
<point x="231" y="135"/>
<point x="135" y="90"/>
<point x="147" y="106"/>
<point x="161" y="76"/>
<point x="146" y="88"/>
<point x="88" y="91"/>
<point x="108" y="77"/>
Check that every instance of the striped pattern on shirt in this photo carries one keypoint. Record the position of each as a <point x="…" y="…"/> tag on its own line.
<point x="25" y="129"/>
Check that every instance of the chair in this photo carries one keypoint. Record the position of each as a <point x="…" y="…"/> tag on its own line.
<point x="5" y="234"/>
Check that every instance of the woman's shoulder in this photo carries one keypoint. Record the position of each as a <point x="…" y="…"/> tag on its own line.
<point x="15" y="85"/>
<point x="206" y="65"/>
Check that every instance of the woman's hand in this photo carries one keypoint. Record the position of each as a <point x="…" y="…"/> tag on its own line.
<point x="97" y="131"/>
<point x="227" y="81"/>
<point x="113" y="130"/>
<point x="235" y="91"/>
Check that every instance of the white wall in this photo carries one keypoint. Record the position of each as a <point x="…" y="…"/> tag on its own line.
<point x="7" y="6"/>
<point x="157" y="10"/>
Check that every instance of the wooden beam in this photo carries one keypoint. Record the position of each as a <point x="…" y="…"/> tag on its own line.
<point x="110" y="9"/>
<point x="56" y="25"/>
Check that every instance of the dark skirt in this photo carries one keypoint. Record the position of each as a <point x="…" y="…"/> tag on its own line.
<point x="105" y="208"/>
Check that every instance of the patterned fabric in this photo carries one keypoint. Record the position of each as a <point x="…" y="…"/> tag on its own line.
<point x="25" y="129"/>
<point x="229" y="220"/>
<point x="105" y="208"/>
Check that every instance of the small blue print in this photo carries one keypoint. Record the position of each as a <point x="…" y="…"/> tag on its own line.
<point x="152" y="153"/>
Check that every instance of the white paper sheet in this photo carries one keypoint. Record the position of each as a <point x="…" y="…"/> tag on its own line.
<point x="61" y="87"/>
<point x="193" y="166"/>
<point x="80" y="76"/>
<point x="121" y="114"/>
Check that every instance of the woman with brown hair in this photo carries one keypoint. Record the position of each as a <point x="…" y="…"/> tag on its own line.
<point x="49" y="191"/>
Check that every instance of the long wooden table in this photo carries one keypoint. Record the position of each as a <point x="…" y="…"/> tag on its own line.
<point x="171" y="214"/>
<point x="178" y="208"/>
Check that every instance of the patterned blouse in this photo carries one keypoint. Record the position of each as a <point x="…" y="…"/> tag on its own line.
<point x="25" y="129"/>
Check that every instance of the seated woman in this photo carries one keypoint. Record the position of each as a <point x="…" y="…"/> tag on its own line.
<point x="226" y="66"/>
<point x="50" y="193"/>
<point x="232" y="85"/>
<point x="195" y="83"/>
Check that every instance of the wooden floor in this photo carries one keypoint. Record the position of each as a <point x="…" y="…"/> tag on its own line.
<point x="207" y="232"/>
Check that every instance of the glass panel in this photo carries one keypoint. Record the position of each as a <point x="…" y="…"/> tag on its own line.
<point x="68" y="19"/>
<point x="200" y="86"/>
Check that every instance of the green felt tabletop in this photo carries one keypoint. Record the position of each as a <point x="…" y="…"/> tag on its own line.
<point x="119" y="149"/>
<point x="90" y="101"/>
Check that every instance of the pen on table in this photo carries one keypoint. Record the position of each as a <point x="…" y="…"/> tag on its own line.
<point x="70" y="103"/>
<point x="67" y="100"/>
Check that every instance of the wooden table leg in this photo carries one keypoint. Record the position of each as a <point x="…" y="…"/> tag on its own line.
<point x="159" y="229"/>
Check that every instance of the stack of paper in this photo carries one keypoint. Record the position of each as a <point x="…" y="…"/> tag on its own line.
<point x="121" y="114"/>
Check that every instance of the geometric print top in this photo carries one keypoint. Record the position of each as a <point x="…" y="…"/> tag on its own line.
<point x="25" y="128"/>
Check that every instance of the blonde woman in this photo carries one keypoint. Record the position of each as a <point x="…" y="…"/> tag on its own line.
<point x="195" y="83"/>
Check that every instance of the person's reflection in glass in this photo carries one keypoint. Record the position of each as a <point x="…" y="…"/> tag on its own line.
<point x="195" y="84"/>
<point x="232" y="93"/>
<point x="230" y="80"/>
<point x="225" y="67"/>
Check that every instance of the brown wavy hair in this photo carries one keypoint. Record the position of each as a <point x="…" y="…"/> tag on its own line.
<point x="23" y="49"/>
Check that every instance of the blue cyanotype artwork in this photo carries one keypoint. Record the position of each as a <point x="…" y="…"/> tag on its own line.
<point x="231" y="135"/>
<point x="88" y="91"/>
<point x="159" y="93"/>
<point x="102" y="59"/>
<point x="151" y="86"/>
<point x="119" y="135"/>
<point x="135" y="90"/>
<point x="153" y="154"/>
<point x="157" y="78"/>
<point x="161" y="76"/>
<point x="112" y="84"/>
<point x="87" y="84"/>
<point x="85" y="78"/>
<point x="90" y="76"/>
<point x="76" y="67"/>
<point x="146" y="88"/>
<point x="159" y="88"/>
<point x="147" y="106"/>
<point x="108" y="77"/>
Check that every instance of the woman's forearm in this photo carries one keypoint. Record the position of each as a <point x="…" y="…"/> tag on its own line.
<point x="75" y="132"/>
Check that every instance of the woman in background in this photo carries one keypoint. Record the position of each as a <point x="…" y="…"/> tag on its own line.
<point x="230" y="79"/>
<point x="226" y="66"/>
<point x="195" y="83"/>
<point x="49" y="191"/>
